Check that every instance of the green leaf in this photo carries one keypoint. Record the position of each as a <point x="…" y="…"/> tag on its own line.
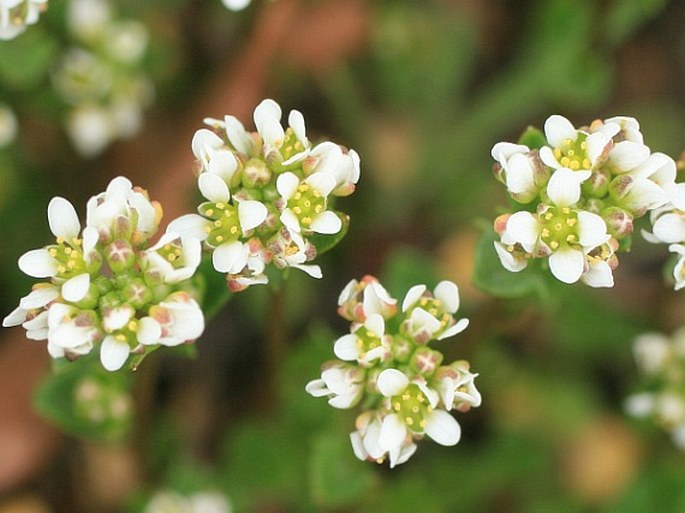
<point x="24" y="61"/>
<point x="324" y="243"/>
<point x="533" y="138"/>
<point x="337" y="478"/>
<point x="406" y="267"/>
<point x="491" y="277"/>
<point x="626" y="16"/>
<point x="85" y="400"/>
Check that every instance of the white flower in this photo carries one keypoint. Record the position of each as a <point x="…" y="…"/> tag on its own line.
<point x="575" y="149"/>
<point x="32" y="313"/>
<point x="71" y="332"/>
<point x="211" y="151"/>
<point x="359" y="299"/>
<point x="524" y="173"/>
<point x="122" y="207"/>
<point x="90" y="128"/>
<point x="630" y="128"/>
<point x="175" y="320"/>
<point x="455" y="384"/>
<point x="344" y="166"/>
<point x="173" y="259"/>
<point x="432" y="315"/>
<point x="366" y="345"/>
<point x="306" y="203"/>
<point x="290" y="250"/>
<point x="15" y="15"/>
<point x="342" y="382"/>
<point x="652" y="352"/>
<point x="87" y="18"/>
<point x="679" y="268"/>
<point x="413" y="412"/>
<point x="366" y="441"/>
<point x="564" y="233"/>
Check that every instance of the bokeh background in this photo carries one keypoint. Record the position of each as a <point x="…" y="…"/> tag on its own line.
<point x="421" y="90"/>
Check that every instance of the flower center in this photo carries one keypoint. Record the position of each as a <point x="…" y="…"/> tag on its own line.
<point x="69" y="257"/>
<point x="366" y="341"/>
<point x="435" y="307"/>
<point x="559" y="226"/>
<point x="572" y="154"/>
<point x="226" y="226"/>
<point x="306" y="204"/>
<point x="172" y="253"/>
<point x="291" y="144"/>
<point x="412" y="406"/>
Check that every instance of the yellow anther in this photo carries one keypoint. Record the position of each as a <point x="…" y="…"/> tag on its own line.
<point x="415" y="409"/>
<point x="433" y="311"/>
<point x="570" y="153"/>
<point x="121" y="338"/>
<point x="306" y="220"/>
<point x="288" y="149"/>
<point x="71" y="264"/>
<point x="565" y="161"/>
<point x="210" y="212"/>
<point x="316" y="194"/>
<point x="171" y="257"/>
<point x="220" y="205"/>
<point x="557" y="153"/>
<point x="557" y="226"/>
<point x="437" y="302"/>
<point x="565" y="210"/>
<point x="299" y="146"/>
<point x="234" y="230"/>
<point x="53" y="252"/>
<point x="61" y="269"/>
<point x="549" y="216"/>
<point x="420" y="398"/>
<point x="568" y="142"/>
<point x="397" y="406"/>
<point x="370" y="333"/>
<point x="297" y="210"/>
<point x="545" y="232"/>
<point x="76" y="242"/>
<point x="60" y="240"/>
<point x="219" y="238"/>
<point x="583" y="145"/>
<point x="318" y="209"/>
<point x="423" y="424"/>
<point x="406" y="396"/>
<point x="178" y="252"/>
<point x="217" y="223"/>
<point x="586" y="164"/>
<point x="228" y="213"/>
<point x="510" y="248"/>
<point x="409" y="421"/>
<point x="303" y="187"/>
<point x="429" y="408"/>
<point x="167" y="247"/>
<point x="207" y="229"/>
<point x="424" y="301"/>
<point x="67" y="251"/>
<point x="571" y="221"/>
<point x="574" y="165"/>
<point x="570" y="238"/>
<point x="554" y="244"/>
<point x="133" y="325"/>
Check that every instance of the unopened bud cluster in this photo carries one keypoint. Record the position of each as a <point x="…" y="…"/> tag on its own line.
<point x="106" y="285"/>
<point x="386" y="365"/>
<point x="16" y="15"/>
<point x="101" y="77"/>
<point x="661" y="361"/>
<point x="582" y="190"/>
<point x="268" y="194"/>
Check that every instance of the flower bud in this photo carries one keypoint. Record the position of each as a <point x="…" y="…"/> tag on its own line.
<point x="256" y="173"/>
<point x="425" y="361"/>
<point x="120" y="255"/>
<point x="619" y="222"/>
<point x="598" y="184"/>
<point x="136" y="293"/>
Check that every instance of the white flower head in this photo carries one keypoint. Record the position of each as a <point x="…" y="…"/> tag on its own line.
<point x="455" y="384"/>
<point x="289" y="249"/>
<point x="366" y="441"/>
<point x="522" y="170"/>
<point x="359" y="299"/>
<point x="305" y="203"/>
<point x="71" y="332"/>
<point x="16" y="15"/>
<point x="332" y="159"/>
<point x="366" y="345"/>
<point x="176" y="320"/>
<point x="341" y="382"/>
<point x="431" y="316"/>
<point x="173" y="259"/>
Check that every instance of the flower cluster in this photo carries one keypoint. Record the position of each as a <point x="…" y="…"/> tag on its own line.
<point x="661" y="360"/>
<point x="268" y="194"/>
<point x="106" y="284"/>
<point x="582" y="190"/>
<point x="385" y="363"/>
<point x="100" y="76"/>
<point x="16" y="15"/>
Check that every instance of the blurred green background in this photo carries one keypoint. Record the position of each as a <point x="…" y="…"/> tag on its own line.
<point x="421" y="90"/>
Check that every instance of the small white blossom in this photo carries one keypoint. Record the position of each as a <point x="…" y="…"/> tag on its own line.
<point x="176" y="320"/>
<point x="15" y="15"/>
<point x="366" y="344"/>
<point x="306" y="203"/>
<point x="342" y="383"/>
<point x="432" y="315"/>
<point x="359" y="299"/>
<point x="366" y="442"/>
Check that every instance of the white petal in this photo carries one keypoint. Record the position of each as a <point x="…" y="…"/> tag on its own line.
<point x="317" y="388"/>
<point x="149" y="331"/>
<point x="520" y="174"/>
<point x="627" y="155"/>
<point x="346" y="348"/>
<point x="358" y="446"/>
<point x="564" y="188"/>
<point x="508" y="261"/>
<point x="205" y="139"/>
<point x="238" y="136"/>
<point x="113" y="354"/>
<point x="322" y="182"/>
<point x="39" y="297"/>
<point x="15" y="317"/>
<point x="567" y="264"/>
<point x="286" y="184"/>
<point x="251" y="214"/>
<point x="443" y="428"/>
<point x="421" y="318"/>
<point x="76" y="288"/>
<point x="312" y="270"/>
<point x="190" y="225"/>
<point x="448" y="293"/>
<point x="596" y="143"/>
<point x="413" y="295"/>
<point x="116" y="318"/>
<point x="38" y="263"/>
<point x="558" y="129"/>
<point x="223" y="164"/>
<point x="267" y="119"/>
<point x="548" y="158"/>
<point x="406" y="451"/>
<point x="592" y="230"/>
<point x="229" y="257"/>
<point x="670" y="228"/>
<point x="63" y="219"/>
<point x="392" y="382"/>
<point x="90" y="239"/>
<point x="296" y="122"/>
<point x="455" y="329"/>
<point x="375" y="323"/>
<point x="326" y="222"/>
<point x="598" y="275"/>
<point x="213" y="188"/>
<point x="523" y="227"/>
<point x="502" y="151"/>
<point x="289" y="219"/>
<point x="393" y="432"/>
<point x="236" y="5"/>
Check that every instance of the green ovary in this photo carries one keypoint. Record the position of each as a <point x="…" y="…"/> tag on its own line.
<point x="559" y="226"/>
<point x="572" y="154"/>
<point x="412" y="406"/>
<point x="69" y="257"/>
<point x="226" y="224"/>
<point x="306" y="204"/>
<point x="291" y="146"/>
<point x="366" y="341"/>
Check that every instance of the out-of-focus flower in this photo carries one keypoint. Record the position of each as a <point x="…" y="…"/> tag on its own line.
<point x="8" y="126"/>
<point x="16" y="15"/>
